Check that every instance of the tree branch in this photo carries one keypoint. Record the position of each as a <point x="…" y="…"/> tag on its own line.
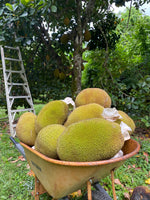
<point x="106" y="54"/>
<point x="129" y="14"/>
<point x="88" y="12"/>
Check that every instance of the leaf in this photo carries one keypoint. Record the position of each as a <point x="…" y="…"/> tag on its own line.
<point x="30" y="173"/>
<point x="146" y="156"/>
<point x="133" y="166"/>
<point x="28" y="166"/>
<point x="1" y="11"/>
<point x="117" y="181"/>
<point x="14" y="161"/>
<point x="15" y="6"/>
<point x="147" y="181"/>
<point x="53" y="8"/>
<point x="126" y="195"/>
<point x="21" y="158"/>
<point x="24" y="14"/>
<point x="10" y="158"/>
<point x="9" y="6"/>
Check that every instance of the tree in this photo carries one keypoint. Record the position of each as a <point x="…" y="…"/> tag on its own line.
<point x="127" y="77"/>
<point x="29" y="23"/>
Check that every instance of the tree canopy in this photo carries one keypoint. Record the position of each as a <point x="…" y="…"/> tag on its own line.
<point x="53" y="36"/>
<point x="53" y="32"/>
<point x="126" y="75"/>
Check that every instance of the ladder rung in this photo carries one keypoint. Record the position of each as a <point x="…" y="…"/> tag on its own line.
<point x="15" y="48"/>
<point x="21" y="110"/>
<point x="13" y="59"/>
<point x="14" y="125"/>
<point x="19" y="97"/>
<point x="21" y="84"/>
<point x="1" y="68"/>
<point x="14" y="71"/>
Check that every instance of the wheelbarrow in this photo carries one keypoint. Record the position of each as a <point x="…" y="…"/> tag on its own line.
<point x="60" y="178"/>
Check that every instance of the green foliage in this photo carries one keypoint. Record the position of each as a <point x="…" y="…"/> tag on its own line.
<point x="124" y="74"/>
<point x="102" y="29"/>
<point x="37" y="27"/>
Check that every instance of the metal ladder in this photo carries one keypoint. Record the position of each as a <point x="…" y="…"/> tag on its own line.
<point x="15" y="78"/>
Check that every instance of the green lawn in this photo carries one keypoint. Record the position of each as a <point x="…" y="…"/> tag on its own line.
<point x="37" y="108"/>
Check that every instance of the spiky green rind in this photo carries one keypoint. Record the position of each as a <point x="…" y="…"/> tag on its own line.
<point x="25" y="128"/>
<point x="88" y="111"/>
<point x="46" y="141"/>
<point x="93" y="95"/>
<point x="54" y="112"/>
<point x="90" y="140"/>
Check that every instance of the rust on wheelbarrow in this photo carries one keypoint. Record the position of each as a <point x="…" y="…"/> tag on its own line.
<point x="61" y="178"/>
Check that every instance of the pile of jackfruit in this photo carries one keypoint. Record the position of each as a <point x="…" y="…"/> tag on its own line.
<point x="88" y="130"/>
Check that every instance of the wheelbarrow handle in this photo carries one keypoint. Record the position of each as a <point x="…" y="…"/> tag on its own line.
<point x="18" y="146"/>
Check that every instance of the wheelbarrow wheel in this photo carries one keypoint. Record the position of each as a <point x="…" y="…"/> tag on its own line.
<point x="100" y="193"/>
<point x="97" y="195"/>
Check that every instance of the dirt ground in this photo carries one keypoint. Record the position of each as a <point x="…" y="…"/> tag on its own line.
<point x="142" y="132"/>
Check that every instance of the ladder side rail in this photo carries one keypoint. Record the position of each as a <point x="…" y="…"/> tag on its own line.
<point x="14" y="48"/>
<point x="7" y="74"/>
<point x="7" y="92"/>
<point x="29" y="100"/>
<point x="11" y="102"/>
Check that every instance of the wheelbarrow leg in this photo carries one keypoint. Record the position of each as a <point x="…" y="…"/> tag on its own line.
<point x="39" y="189"/>
<point x="113" y="184"/>
<point x="89" y="190"/>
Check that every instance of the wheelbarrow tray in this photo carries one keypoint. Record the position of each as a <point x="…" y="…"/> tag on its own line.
<point x="60" y="178"/>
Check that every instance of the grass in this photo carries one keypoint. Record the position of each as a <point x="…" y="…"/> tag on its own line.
<point x="37" y="108"/>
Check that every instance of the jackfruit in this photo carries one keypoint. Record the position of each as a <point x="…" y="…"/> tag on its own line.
<point x="46" y="141"/>
<point x="62" y="75"/>
<point x="90" y="140"/>
<point x="64" y="39"/>
<point x="66" y="21"/>
<point x="87" y="35"/>
<point x="88" y="111"/>
<point x="93" y="95"/>
<point x="127" y="120"/>
<point x="54" y="112"/>
<point x="56" y="73"/>
<point x="25" y="128"/>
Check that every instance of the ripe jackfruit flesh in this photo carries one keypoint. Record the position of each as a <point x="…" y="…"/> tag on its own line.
<point x="127" y="120"/>
<point x="46" y="141"/>
<point x="90" y="140"/>
<point x="54" y="112"/>
<point x="93" y="95"/>
<point x="25" y="128"/>
<point x="88" y="111"/>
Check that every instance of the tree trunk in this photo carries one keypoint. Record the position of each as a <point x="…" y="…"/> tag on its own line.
<point x="77" y="57"/>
